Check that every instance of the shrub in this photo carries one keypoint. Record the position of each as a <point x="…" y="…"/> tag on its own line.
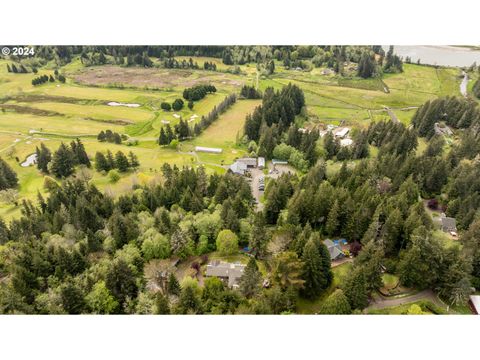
<point x="173" y="144"/>
<point x="113" y="175"/>
<point x="177" y="105"/>
<point x="166" y="106"/>
<point x="49" y="183"/>
<point x="433" y="204"/>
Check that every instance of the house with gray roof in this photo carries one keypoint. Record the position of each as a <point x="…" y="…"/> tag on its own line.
<point x="238" y="168"/>
<point x="229" y="273"/>
<point x="249" y="162"/>
<point x="442" y="130"/>
<point x="335" y="249"/>
<point x="448" y="224"/>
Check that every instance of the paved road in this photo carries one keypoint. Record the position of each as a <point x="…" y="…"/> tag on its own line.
<point x="392" y="115"/>
<point x="341" y="261"/>
<point x="464" y="84"/>
<point x="256" y="175"/>
<point x="384" y="302"/>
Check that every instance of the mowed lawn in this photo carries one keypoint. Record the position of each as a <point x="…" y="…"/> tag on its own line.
<point x="340" y="273"/>
<point x="101" y="112"/>
<point x="223" y="133"/>
<point x="23" y="123"/>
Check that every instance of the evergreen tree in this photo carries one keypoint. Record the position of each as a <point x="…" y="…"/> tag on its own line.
<point x="121" y="161"/>
<point x="62" y="162"/>
<point x="366" y="66"/>
<point x="250" y="281"/>
<point x="163" y="139"/>
<point x="44" y="156"/>
<point x="173" y="285"/>
<point x="258" y="237"/>
<point x="133" y="160"/>
<point x="79" y="153"/>
<point x="316" y="272"/>
<point x="355" y="289"/>
<point x="110" y="160"/>
<point x="72" y="298"/>
<point x="162" y="306"/>
<point x="177" y="105"/>
<point x="336" y="304"/>
<point x="121" y="282"/>
<point x="8" y="177"/>
<point x="333" y="219"/>
<point x="101" y="136"/>
<point x="101" y="163"/>
<point x="169" y="133"/>
<point x="189" y="301"/>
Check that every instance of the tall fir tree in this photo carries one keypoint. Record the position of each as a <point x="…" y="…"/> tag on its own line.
<point x="62" y="162"/>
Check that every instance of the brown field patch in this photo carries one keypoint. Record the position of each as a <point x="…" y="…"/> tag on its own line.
<point x="149" y="77"/>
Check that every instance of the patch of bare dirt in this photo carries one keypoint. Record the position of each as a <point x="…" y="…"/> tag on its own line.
<point x="151" y="77"/>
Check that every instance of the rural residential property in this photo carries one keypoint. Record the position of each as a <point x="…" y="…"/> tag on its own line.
<point x="252" y="179"/>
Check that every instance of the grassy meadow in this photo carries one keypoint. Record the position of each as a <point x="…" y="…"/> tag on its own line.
<point x="59" y="112"/>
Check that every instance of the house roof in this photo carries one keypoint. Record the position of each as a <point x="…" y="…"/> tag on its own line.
<point x="248" y="161"/>
<point x="208" y="149"/>
<point x="238" y="167"/>
<point x="341" y="132"/>
<point x="449" y="223"/>
<point x="335" y="250"/>
<point x="346" y="142"/>
<point x="475" y="300"/>
<point x="232" y="272"/>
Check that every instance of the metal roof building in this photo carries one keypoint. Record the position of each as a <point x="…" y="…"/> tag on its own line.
<point x="208" y="150"/>
<point x="250" y="162"/>
<point x="238" y="168"/>
<point x="261" y="162"/>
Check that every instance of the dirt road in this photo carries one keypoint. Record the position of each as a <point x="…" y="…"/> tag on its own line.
<point x="383" y="302"/>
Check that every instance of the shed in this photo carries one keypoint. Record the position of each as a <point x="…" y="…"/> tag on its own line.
<point x="279" y="162"/>
<point x="261" y="162"/>
<point x="249" y="162"/>
<point x="208" y="150"/>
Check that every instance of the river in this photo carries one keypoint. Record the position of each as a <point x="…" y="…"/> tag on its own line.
<point x="443" y="55"/>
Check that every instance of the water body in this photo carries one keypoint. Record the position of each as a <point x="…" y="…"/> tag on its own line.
<point x="30" y="160"/>
<point x="443" y="55"/>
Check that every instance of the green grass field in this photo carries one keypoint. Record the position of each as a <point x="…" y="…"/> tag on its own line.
<point x="340" y="273"/>
<point x="427" y="307"/>
<point x="56" y="112"/>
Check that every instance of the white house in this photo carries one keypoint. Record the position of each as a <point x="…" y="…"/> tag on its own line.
<point x="341" y="132"/>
